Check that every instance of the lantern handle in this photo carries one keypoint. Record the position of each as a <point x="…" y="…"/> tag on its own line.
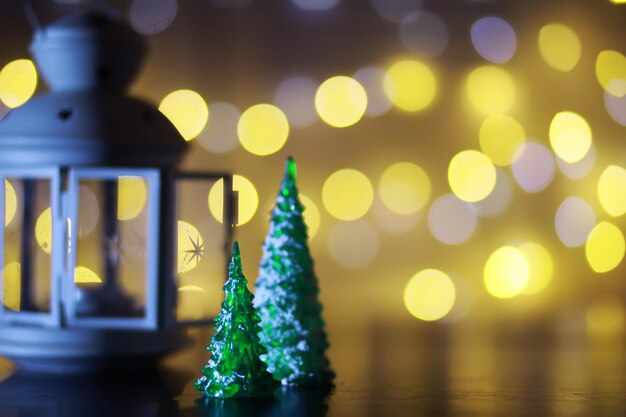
<point x="31" y="15"/>
<point x="101" y="6"/>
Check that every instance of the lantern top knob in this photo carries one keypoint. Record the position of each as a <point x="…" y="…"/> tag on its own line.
<point x="88" y="50"/>
<point x="88" y="59"/>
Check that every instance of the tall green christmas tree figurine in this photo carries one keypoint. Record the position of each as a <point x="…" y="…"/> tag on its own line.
<point x="235" y="368"/>
<point x="287" y="290"/>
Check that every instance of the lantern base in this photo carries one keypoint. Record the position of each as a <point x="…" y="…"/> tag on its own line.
<point x="57" y="350"/>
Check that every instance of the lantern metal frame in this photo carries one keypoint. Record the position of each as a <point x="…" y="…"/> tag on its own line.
<point x="152" y="178"/>
<point x="53" y="317"/>
<point x="229" y="220"/>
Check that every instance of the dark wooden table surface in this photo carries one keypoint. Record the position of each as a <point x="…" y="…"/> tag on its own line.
<point x="382" y="370"/>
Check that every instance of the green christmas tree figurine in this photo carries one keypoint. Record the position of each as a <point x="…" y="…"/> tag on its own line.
<point x="235" y="368"/>
<point x="287" y="290"/>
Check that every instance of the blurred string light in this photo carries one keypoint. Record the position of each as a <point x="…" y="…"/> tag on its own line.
<point x="390" y="221"/>
<point x="463" y="301"/>
<point x="534" y="167"/>
<point x="220" y="133"/>
<point x="341" y="101"/>
<point x="311" y="215"/>
<point x="605" y="247"/>
<point x="132" y="195"/>
<point x="296" y="96"/>
<point x="87" y="219"/>
<point x="84" y="275"/>
<point x="500" y="136"/>
<point x="347" y="194"/>
<point x="404" y="188"/>
<point x="611" y="72"/>
<point x="491" y="90"/>
<point x="353" y="245"/>
<point x="541" y="267"/>
<point x="18" y="81"/>
<point x="573" y="221"/>
<point x="194" y="302"/>
<point x="471" y="175"/>
<point x="10" y="202"/>
<point x="559" y="46"/>
<point x="570" y="136"/>
<point x="247" y="203"/>
<point x="316" y="5"/>
<point x="616" y="107"/>
<point x="372" y="79"/>
<point x="452" y="221"/>
<point x="494" y="39"/>
<point x="187" y="111"/>
<point x="410" y="85"/>
<point x="612" y="190"/>
<point x="149" y="17"/>
<point x="12" y="285"/>
<point x="424" y="33"/>
<point x="43" y="231"/>
<point x="191" y="288"/>
<point x="263" y="129"/>
<point x="578" y="169"/>
<point x="499" y="199"/>
<point x="89" y="211"/>
<point x="507" y="272"/>
<point x="605" y="315"/>
<point x="429" y="295"/>
<point x="190" y="247"/>
<point x="395" y="10"/>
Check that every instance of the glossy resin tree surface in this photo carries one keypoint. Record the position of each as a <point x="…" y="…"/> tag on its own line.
<point x="235" y="369"/>
<point x="287" y="295"/>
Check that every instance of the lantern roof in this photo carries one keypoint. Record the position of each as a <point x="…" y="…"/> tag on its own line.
<point x="88" y="60"/>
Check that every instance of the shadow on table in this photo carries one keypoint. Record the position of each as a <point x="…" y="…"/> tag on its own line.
<point x="286" y="402"/>
<point x="136" y="395"/>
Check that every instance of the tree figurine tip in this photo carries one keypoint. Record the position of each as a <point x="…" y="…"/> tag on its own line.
<point x="235" y="260"/>
<point x="291" y="168"/>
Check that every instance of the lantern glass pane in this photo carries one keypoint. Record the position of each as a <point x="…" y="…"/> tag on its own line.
<point x="27" y="261"/>
<point x="201" y="240"/>
<point x="110" y="274"/>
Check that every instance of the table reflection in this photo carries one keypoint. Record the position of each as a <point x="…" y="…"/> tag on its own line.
<point x="526" y="368"/>
<point x="152" y="394"/>
<point x="287" y="402"/>
<point x="138" y="395"/>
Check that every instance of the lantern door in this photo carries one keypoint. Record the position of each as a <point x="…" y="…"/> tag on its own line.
<point x="31" y="246"/>
<point x="205" y="213"/>
<point x="114" y="232"/>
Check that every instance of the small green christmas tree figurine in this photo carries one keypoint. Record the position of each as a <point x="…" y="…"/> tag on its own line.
<point x="235" y="368"/>
<point x="287" y="290"/>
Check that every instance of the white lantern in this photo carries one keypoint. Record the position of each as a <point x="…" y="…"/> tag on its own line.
<point x="89" y="241"/>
